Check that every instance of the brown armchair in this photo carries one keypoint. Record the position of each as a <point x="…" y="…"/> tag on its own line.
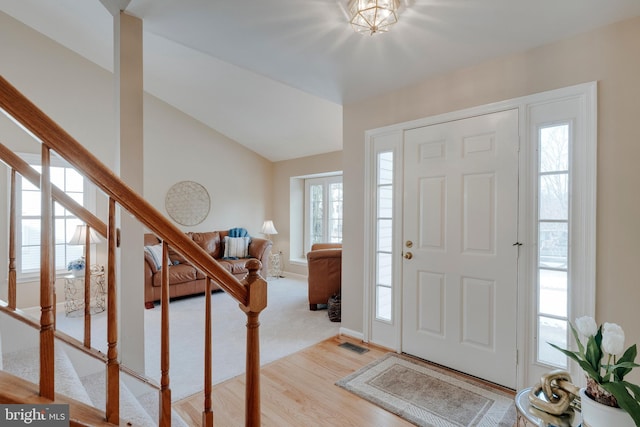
<point x="324" y="262"/>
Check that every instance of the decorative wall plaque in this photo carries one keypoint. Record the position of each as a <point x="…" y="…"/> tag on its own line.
<point x="188" y="203"/>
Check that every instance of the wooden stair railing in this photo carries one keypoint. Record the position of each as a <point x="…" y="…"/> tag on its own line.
<point x="93" y="222"/>
<point x="250" y="292"/>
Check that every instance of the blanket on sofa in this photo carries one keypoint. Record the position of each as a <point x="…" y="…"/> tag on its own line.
<point x="238" y="232"/>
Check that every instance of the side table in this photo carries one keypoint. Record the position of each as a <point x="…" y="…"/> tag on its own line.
<point x="275" y="265"/>
<point x="74" y="294"/>
<point x="529" y="416"/>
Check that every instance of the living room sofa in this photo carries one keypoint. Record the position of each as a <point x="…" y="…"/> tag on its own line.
<point x="185" y="279"/>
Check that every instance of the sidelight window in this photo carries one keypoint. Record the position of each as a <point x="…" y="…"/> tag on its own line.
<point x="384" y="235"/>
<point x="553" y="241"/>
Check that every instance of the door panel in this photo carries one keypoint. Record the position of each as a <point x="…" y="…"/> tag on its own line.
<point x="460" y="211"/>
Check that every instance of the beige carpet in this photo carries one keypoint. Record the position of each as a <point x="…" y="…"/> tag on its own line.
<point x="429" y="396"/>
<point x="287" y="326"/>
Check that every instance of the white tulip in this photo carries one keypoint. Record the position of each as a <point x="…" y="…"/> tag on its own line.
<point x="586" y="326"/>
<point x="613" y="328"/>
<point x="612" y="339"/>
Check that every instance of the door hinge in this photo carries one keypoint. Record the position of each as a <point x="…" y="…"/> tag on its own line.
<point x="517" y="357"/>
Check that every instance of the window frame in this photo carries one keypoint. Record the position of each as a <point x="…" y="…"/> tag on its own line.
<point x="325" y="182"/>
<point x="88" y="201"/>
<point x="550" y="316"/>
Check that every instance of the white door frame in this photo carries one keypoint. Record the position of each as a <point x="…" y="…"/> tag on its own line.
<point x="584" y="210"/>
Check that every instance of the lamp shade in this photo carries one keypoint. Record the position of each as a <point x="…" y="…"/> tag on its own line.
<point x="373" y="16"/>
<point x="80" y="236"/>
<point x="268" y="228"/>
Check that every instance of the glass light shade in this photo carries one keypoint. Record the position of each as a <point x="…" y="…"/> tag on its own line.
<point x="268" y="228"/>
<point x="373" y="16"/>
<point x="80" y="236"/>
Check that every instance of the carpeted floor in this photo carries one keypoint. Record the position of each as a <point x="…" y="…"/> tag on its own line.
<point x="287" y="326"/>
<point x="427" y="395"/>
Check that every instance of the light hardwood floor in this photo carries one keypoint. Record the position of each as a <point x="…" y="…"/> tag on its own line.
<point x="299" y="390"/>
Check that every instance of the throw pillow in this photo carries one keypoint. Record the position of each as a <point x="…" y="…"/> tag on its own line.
<point x="156" y="254"/>
<point x="236" y="247"/>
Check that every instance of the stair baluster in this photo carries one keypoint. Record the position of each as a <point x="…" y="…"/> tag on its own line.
<point x="87" y="287"/>
<point x="165" y="391"/>
<point x="12" y="242"/>
<point x="207" y="413"/>
<point x="113" y="366"/>
<point x="250" y="292"/>
<point x="47" y="380"/>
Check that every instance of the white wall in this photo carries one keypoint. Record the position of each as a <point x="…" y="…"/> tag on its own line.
<point x="74" y="92"/>
<point x="179" y="148"/>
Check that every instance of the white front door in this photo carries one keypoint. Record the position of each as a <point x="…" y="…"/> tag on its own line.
<point x="460" y="227"/>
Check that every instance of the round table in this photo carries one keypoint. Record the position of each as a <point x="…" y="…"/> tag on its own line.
<point x="528" y="416"/>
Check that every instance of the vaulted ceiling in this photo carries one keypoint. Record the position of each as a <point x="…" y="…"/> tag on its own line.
<point x="273" y="74"/>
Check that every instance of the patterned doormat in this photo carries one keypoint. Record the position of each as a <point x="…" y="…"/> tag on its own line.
<point x="429" y="396"/>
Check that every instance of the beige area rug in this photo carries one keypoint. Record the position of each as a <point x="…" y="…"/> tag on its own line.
<point x="286" y="326"/>
<point x="429" y="396"/>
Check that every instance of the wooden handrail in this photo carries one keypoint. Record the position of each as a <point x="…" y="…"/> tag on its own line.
<point x="250" y="293"/>
<point x="33" y="176"/>
<point x="17" y="106"/>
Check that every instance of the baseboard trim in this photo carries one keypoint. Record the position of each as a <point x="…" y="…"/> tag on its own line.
<point x="352" y="334"/>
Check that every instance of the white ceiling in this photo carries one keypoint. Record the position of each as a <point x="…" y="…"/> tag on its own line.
<point x="274" y="74"/>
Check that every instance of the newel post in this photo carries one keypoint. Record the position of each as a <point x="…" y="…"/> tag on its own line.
<point x="256" y="302"/>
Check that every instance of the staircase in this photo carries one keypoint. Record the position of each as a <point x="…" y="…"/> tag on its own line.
<point x="46" y="356"/>
<point x="78" y="376"/>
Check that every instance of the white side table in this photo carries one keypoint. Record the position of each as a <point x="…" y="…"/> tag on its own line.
<point x="275" y="265"/>
<point x="74" y="294"/>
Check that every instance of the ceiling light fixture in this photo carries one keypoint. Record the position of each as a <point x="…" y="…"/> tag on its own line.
<point x="373" y="16"/>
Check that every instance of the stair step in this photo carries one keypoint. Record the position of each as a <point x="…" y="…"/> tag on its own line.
<point x="150" y="402"/>
<point x="90" y="389"/>
<point x="130" y="408"/>
<point x="26" y="365"/>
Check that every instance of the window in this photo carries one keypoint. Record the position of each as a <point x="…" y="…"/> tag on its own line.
<point x="323" y="210"/>
<point x="384" y="235"/>
<point x="29" y="217"/>
<point x="553" y="241"/>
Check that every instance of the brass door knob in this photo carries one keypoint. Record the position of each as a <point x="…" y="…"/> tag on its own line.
<point x="408" y="255"/>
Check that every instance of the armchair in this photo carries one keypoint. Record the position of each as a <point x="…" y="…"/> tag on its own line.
<point x="324" y="263"/>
